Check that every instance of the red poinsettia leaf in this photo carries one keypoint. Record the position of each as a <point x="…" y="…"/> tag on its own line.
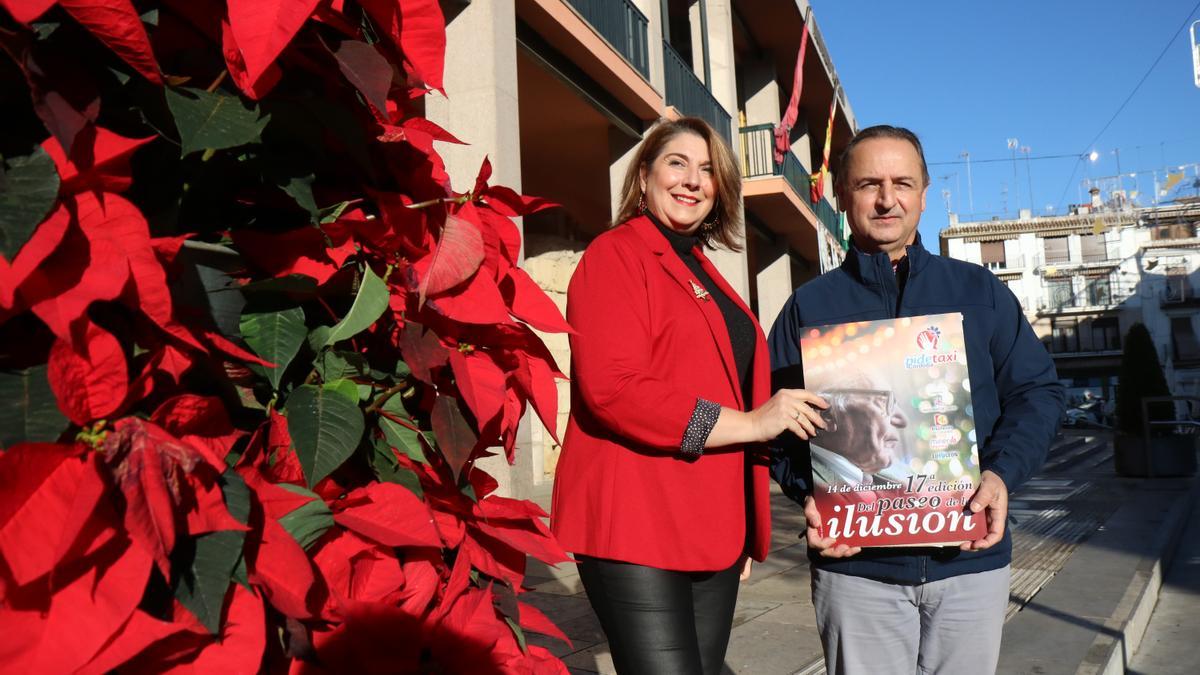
<point x="90" y="383"/>
<point x="423" y="351"/>
<point x="530" y="538"/>
<point x="255" y="88"/>
<point x="279" y="566"/>
<point x="418" y="129"/>
<point x="138" y="633"/>
<point x="478" y="301"/>
<point x="533" y="619"/>
<point x="366" y="642"/>
<point x="224" y="345"/>
<point x="299" y="251"/>
<point x="60" y="632"/>
<point x="44" y="240"/>
<point x="151" y="469"/>
<point x="481" y="383"/>
<point x="481" y="178"/>
<point x="26" y="11"/>
<point x="102" y="165"/>
<point x="167" y="248"/>
<point x="455" y="437"/>
<point x="494" y="558"/>
<point x="507" y="234"/>
<point x="65" y="97"/>
<point x="417" y="28"/>
<point x="208" y="512"/>
<point x="540" y="661"/>
<point x="243" y="637"/>
<point x="368" y="70"/>
<point x="79" y="272"/>
<point x="355" y="569"/>
<point x="505" y="508"/>
<point x="537" y="380"/>
<point x="50" y="491"/>
<point x="201" y="421"/>
<point x="529" y="303"/>
<point x="262" y="28"/>
<point x="389" y="514"/>
<point x="471" y="638"/>
<point x="507" y="202"/>
<point x="455" y="259"/>
<point x="421" y="580"/>
<point x="116" y="23"/>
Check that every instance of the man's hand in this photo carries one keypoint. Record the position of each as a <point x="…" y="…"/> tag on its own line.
<point x="992" y="495"/>
<point x="827" y="546"/>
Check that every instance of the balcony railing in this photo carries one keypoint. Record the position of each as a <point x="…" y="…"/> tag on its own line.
<point x="1093" y="296"/>
<point x="758" y="159"/>
<point x="1014" y="263"/>
<point x="623" y="25"/>
<point x="833" y="222"/>
<point x="686" y="92"/>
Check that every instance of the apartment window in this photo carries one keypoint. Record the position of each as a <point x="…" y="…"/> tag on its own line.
<point x="992" y="253"/>
<point x="1106" y="334"/>
<point x="1183" y="339"/>
<point x="1099" y="291"/>
<point x="1058" y="293"/>
<point x="1092" y="248"/>
<point x="1056" y="250"/>
<point x="1177" y="284"/>
<point x="1064" y="335"/>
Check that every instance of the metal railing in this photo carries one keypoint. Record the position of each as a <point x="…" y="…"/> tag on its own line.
<point x="686" y="92"/>
<point x="1092" y="296"/>
<point x="758" y="159"/>
<point x="623" y="25"/>
<point x="833" y="222"/>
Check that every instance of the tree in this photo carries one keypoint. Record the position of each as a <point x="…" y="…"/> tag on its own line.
<point x="1141" y="376"/>
<point x="251" y="343"/>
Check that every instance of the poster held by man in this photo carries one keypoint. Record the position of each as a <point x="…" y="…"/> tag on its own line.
<point x="898" y="461"/>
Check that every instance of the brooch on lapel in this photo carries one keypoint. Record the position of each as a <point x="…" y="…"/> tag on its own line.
<point x="701" y="294"/>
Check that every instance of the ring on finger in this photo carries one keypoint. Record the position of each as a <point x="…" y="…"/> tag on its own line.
<point x="797" y="416"/>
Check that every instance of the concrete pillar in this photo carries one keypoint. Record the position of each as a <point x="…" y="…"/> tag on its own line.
<point x="481" y="83"/>
<point x="762" y="92"/>
<point x="654" y="41"/>
<point x="721" y="58"/>
<point x="1074" y="248"/>
<point x="774" y="289"/>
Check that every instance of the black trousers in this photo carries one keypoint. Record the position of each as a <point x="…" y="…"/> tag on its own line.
<point x="662" y="622"/>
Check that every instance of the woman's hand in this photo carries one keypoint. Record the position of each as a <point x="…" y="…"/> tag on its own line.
<point x="794" y="410"/>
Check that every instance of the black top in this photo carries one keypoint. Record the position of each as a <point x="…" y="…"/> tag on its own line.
<point x="740" y="326"/>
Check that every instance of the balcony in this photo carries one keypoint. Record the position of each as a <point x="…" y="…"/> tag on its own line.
<point x="1014" y="264"/>
<point x="689" y="95"/>
<point x="832" y="221"/>
<point x="624" y="27"/>
<point x="1179" y="294"/>
<point x="778" y="194"/>
<point x="1094" y="298"/>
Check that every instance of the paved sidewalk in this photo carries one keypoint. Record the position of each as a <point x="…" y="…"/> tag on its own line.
<point x="1086" y="549"/>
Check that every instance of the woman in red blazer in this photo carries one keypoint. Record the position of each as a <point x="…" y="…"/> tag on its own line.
<point x="657" y="493"/>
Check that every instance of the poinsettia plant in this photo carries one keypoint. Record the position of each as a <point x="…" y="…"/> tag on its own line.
<point x="252" y="342"/>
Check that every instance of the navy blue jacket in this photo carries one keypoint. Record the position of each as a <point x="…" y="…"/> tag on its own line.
<point x="1015" y="391"/>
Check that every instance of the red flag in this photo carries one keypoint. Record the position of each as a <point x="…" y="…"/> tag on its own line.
<point x="784" y="129"/>
<point x="818" y="179"/>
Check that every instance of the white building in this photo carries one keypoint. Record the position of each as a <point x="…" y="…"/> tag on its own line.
<point x="1083" y="279"/>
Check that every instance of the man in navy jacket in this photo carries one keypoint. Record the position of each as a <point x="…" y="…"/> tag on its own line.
<point x="882" y="610"/>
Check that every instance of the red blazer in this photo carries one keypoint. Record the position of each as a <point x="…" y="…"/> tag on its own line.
<point x="646" y="348"/>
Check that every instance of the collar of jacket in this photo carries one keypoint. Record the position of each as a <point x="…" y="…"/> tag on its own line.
<point x="873" y="269"/>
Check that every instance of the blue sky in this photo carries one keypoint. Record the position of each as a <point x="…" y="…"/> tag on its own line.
<point x="969" y="75"/>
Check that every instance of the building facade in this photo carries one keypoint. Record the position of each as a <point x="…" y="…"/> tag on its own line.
<point x="558" y="93"/>
<point x="1085" y="278"/>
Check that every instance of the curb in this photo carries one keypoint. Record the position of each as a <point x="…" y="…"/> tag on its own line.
<point x="1113" y="649"/>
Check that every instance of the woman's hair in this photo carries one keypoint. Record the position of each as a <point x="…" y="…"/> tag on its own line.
<point x="727" y="180"/>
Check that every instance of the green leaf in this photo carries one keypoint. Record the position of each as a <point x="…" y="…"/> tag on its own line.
<point x="276" y="336"/>
<point x="318" y="338"/>
<point x="399" y="436"/>
<point x="326" y="425"/>
<point x="28" y="190"/>
<point x="308" y="522"/>
<point x="212" y="121"/>
<point x="202" y="585"/>
<point x="237" y="495"/>
<point x="28" y="410"/>
<point x="299" y="188"/>
<point x="387" y="469"/>
<point x="331" y="213"/>
<point x="369" y="304"/>
<point x="335" y="364"/>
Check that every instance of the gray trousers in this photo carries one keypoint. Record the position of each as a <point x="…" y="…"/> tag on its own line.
<point x="946" y="627"/>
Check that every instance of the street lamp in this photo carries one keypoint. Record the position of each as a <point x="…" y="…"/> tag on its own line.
<point x="1012" y="146"/>
<point x="1028" y="176"/>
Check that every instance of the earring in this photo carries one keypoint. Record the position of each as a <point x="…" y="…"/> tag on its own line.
<point x="642" y="203"/>
<point x="709" y="225"/>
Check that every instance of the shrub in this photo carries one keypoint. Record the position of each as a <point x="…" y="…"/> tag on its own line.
<point x="252" y="343"/>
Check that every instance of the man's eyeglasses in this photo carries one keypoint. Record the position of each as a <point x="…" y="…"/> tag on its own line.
<point x="885" y="398"/>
